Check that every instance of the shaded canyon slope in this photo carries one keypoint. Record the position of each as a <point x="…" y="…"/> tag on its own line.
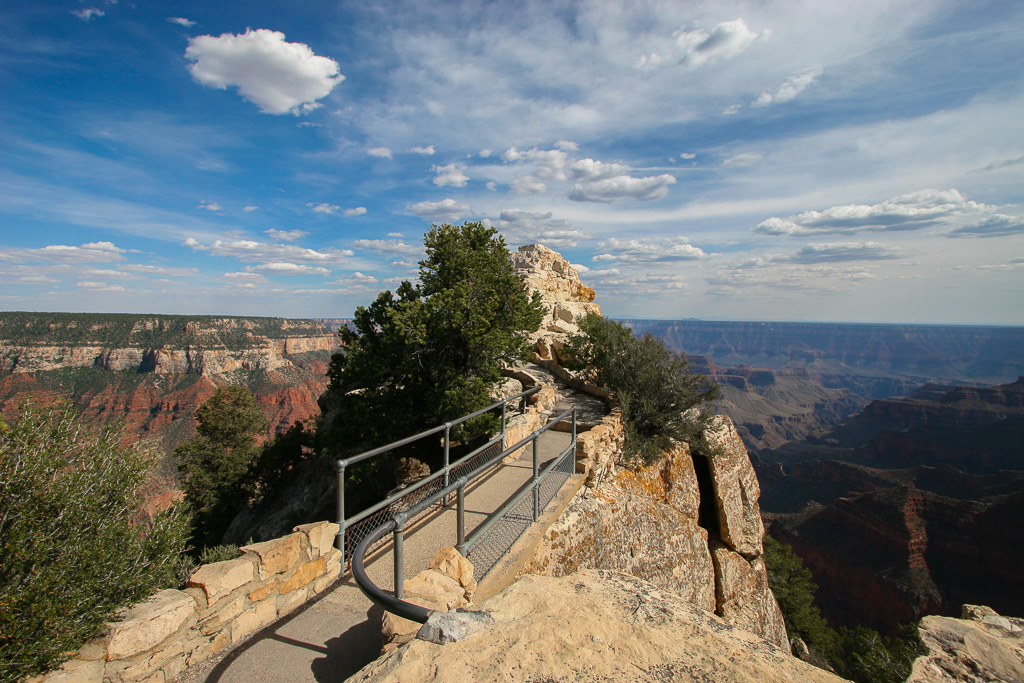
<point x="912" y="507"/>
<point x="153" y="371"/>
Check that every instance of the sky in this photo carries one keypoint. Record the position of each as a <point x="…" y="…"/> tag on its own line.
<point x="815" y="160"/>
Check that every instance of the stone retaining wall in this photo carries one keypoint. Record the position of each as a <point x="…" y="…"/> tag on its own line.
<point x="222" y="604"/>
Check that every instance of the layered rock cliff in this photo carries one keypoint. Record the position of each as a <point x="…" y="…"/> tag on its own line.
<point x="153" y="371"/>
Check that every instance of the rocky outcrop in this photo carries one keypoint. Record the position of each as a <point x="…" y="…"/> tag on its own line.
<point x="223" y="604"/>
<point x="979" y="646"/>
<point x="594" y="626"/>
<point x="664" y="523"/>
<point x="565" y="297"/>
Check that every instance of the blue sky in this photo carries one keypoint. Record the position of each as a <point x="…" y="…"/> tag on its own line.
<point x="827" y="161"/>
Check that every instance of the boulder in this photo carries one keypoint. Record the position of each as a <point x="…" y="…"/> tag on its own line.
<point x="980" y="646"/>
<point x="736" y="489"/>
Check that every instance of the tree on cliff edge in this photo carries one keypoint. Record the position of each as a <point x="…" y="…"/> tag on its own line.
<point x="429" y="352"/>
<point x="216" y="463"/>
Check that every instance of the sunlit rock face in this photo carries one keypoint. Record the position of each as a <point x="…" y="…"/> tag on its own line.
<point x="595" y="625"/>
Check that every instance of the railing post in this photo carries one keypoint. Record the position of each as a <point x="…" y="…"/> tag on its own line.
<point x="460" y="544"/>
<point x="536" y="478"/>
<point x="574" y="430"/>
<point x="399" y="550"/>
<point x="339" y="542"/>
<point x="447" y="451"/>
<point x="504" y="406"/>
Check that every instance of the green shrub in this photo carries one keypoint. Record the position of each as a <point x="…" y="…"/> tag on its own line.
<point x="73" y="545"/>
<point x="661" y="399"/>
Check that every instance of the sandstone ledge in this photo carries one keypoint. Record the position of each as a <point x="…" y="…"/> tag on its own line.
<point x="595" y="625"/>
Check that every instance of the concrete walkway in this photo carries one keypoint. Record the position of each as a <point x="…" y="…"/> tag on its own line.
<point x="330" y="639"/>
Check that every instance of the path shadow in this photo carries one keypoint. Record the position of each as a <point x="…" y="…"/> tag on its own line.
<point x="351" y="651"/>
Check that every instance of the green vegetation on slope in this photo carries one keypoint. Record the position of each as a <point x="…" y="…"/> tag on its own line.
<point x="132" y="330"/>
<point x="72" y="548"/>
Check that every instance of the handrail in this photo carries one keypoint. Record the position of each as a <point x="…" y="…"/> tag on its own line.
<point x="343" y="463"/>
<point x="394" y="603"/>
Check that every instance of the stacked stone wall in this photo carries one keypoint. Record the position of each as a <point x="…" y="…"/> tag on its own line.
<point x="222" y="604"/>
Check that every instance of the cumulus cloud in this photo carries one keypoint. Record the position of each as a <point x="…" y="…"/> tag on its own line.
<point x="90" y="252"/>
<point x="356" y="211"/>
<point x="356" y="279"/>
<point x="444" y="210"/>
<point x="425" y="151"/>
<point x="452" y="174"/>
<point x="161" y="271"/>
<point x="623" y="187"/>
<point x="790" y="88"/>
<point x="648" y="250"/>
<point x="277" y="76"/>
<point x="693" y="49"/>
<point x="249" y="209"/>
<point x="323" y="207"/>
<point x="526" y="184"/>
<point x="732" y="109"/>
<point x="688" y="155"/>
<point x="246" y="278"/>
<point x="845" y="251"/>
<point x="265" y="252"/>
<point x="181" y="21"/>
<point x="209" y="206"/>
<point x="286" y="235"/>
<point x="743" y="160"/>
<point x="380" y="152"/>
<point x="906" y="212"/>
<point x="526" y="227"/>
<point x="589" y="170"/>
<point x="996" y="225"/>
<point x="92" y="286"/>
<point x="394" y="247"/>
<point x="288" y="268"/>
<point x="88" y="14"/>
<point x="549" y="164"/>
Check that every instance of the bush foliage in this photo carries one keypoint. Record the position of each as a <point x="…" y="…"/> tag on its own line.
<point x="73" y="546"/>
<point x="661" y="399"/>
<point x="217" y="463"/>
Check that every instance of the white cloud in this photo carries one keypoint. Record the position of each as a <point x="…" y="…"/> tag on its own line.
<point x="209" y="206"/>
<point x="265" y="252"/>
<point x="91" y="286"/>
<point x="845" y="251"/>
<point x="249" y="278"/>
<point x="356" y="279"/>
<point x="589" y="170"/>
<point x="523" y="227"/>
<point x="732" y="109"/>
<point x="392" y="247"/>
<point x="996" y="225"/>
<point x="357" y="211"/>
<point x="906" y="212"/>
<point x="162" y="271"/>
<point x="527" y="184"/>
<point x="623" y="187"/>
<point x="380" y="152"/>
<point x="38" y="280"/>
<point x="484" y="153"/>
<point x="549" y="163"/>
<point x="425" y="151"/>
<point x="693" y="49"/>
<point x="286" y="235"/>
<point x="790" y="88"/>
<point x="88" y="14"/>
<point x="648" y="250"/>
<point x="91" y="252"/>
<point x="288" y="268"/>
<point x="491" y="185"/>
<point x="743" y="160"/>
<point x="323" y="207"/>
<point x="999" y="164"/>
<point x="567" y="146"/>
<point x="396" y="234"/>
<point x="687" y="155"/>
<point x="444" y="210"/>
<point x="249" y="209"/>
<point x="181" y="21"/>
<point x="452" y="174"/>
<point x="276" y="76"/>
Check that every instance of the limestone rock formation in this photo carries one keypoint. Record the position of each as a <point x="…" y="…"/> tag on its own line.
<point x="979" y="646"/>
<point x="594" y="626"/>
<point x="647" y="521"/>
<point x="566" y="298"/>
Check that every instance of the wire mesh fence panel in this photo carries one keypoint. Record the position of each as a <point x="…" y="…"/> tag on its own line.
<point x="466" y="468"/>
<point x="361" y="529"/>
<point x="490" y="548"/>
<point x="560" y="473"/>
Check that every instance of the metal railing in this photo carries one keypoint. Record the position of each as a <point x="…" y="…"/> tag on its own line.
<point x="353" y="529"/>
<point x="489" y="541"/>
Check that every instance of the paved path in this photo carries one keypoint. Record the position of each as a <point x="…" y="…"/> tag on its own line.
<point x="332" y="638"/>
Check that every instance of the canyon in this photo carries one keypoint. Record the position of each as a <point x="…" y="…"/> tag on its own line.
<point x="151" y="372"/>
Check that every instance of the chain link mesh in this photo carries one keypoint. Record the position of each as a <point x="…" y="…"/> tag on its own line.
<point x="490" y="548"/>
<point x="361" y="529"/>
<point x="471" y="464"/>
